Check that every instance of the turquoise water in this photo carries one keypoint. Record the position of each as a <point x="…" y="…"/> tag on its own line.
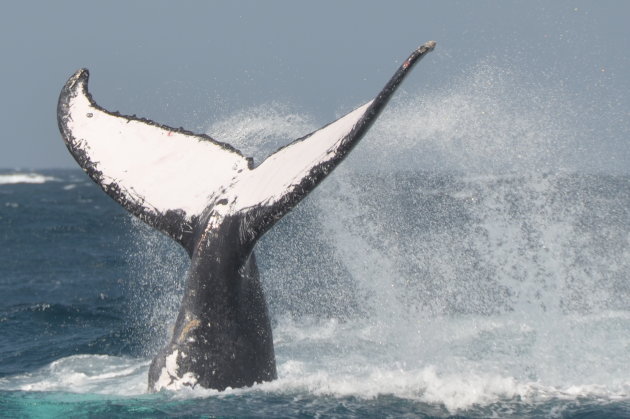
<point x="264" y="405"/>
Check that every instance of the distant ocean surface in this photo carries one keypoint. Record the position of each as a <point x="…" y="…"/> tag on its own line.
<point x="410" y="294"/>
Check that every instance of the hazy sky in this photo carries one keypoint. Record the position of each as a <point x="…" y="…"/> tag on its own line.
<point x="186" y="63"/>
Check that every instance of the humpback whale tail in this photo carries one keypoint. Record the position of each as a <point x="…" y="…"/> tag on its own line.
<point x="213" y="201"/>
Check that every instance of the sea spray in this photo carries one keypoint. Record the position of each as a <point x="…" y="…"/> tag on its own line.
<point x="459" y="257"/>
<point x="155" y="285"/>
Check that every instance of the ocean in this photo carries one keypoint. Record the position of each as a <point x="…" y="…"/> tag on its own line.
<point x="409" y="294"/>
<point x="469" y="259"/>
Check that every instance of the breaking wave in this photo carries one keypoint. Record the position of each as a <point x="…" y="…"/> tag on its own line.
<point x="13" y="178"/>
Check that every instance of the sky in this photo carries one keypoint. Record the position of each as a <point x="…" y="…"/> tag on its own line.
<point x="189" y="63"/>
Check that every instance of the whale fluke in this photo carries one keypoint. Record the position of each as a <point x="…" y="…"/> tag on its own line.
<point x="216" y="203"/>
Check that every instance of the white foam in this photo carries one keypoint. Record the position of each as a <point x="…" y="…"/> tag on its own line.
<point x="100" y="374"/>
<point x="457" y="363"/>
<point x="13" y="178"/>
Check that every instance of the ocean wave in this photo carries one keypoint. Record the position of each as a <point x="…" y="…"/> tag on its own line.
<point x="13" y="178"/>
<point x="457" y="393"/>
<point x="99" y="374"/>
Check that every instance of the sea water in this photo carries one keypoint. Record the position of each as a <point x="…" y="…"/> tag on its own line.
<point x="457" y="264"/>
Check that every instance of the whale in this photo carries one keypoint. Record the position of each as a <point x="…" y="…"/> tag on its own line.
<point x="216" y="203"/>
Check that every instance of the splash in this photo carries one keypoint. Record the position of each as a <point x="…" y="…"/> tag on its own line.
<point x="156" y="283"/>
<point x="492" y="119"/>
<point x="260" y="130"/>
<point x="457" y="258"/>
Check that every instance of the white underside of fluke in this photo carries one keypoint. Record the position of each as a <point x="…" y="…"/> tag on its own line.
<point x="165" y="169"/>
